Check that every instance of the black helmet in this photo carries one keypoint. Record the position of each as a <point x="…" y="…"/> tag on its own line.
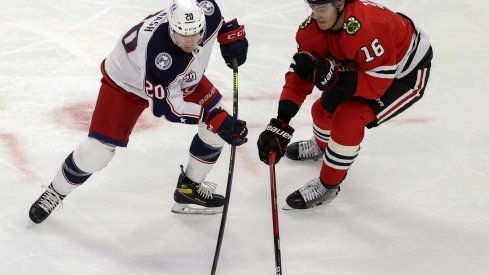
<point x="336" y="3"/>
<point x="320" y="1"/>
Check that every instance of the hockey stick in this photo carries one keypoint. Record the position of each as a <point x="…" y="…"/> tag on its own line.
<point x="231" y="170"/>
<point x="276" y="233"/>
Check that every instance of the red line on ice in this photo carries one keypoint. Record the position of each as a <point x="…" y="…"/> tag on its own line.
<point x="18" y="156"/>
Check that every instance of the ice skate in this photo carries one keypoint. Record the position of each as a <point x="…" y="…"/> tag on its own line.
<point x="314" y="193"/>
<point x="196" y="198"/>
<point x="45" y="204"/>
<point x="304" y="150"/>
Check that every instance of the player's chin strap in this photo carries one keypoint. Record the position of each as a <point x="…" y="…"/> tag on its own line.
<point x="338" y="12"/>
<point x="172" y="36"/>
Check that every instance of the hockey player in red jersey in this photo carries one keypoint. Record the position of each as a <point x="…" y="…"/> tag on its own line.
<point x="370" y="65"/>
<point x="160" y="63"/>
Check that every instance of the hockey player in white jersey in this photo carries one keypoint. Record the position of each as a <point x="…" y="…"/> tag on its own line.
<point x="160" y="63"/>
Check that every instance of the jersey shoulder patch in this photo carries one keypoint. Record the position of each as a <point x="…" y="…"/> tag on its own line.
<point x="208" y="7"/>
<point x="213" y="17"/>
<point x="305" y="23"/>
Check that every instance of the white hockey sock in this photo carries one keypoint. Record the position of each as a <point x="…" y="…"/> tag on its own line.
<point x="197" y="170"/>
<point x="90" y="156"/>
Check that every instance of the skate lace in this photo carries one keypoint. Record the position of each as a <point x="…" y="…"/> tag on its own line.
<point x="206" y="189"/>
<point x="50" y="200"/>
<point x="314" y="189"/>
<point x="309" y="148"/>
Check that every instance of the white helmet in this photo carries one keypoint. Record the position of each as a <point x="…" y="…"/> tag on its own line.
<point x="186" y="17"/>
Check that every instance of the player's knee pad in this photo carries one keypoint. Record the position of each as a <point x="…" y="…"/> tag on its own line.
<point x="209" y="137"/>
<point x="320" y="116"/>
<point x="204" y="152"/>
<point x="92" y="155"/>
<point x="349" y="121"/>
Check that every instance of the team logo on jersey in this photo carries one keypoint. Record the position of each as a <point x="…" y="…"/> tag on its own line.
<point x="305" y="23"/>
<point x="163" y="61"/>
<point x="352" y="26"/>
<point x="208" y="7"/>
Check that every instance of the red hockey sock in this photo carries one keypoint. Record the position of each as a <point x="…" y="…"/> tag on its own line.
<point x="347" y="132"/>
<point x="321" y="124"/>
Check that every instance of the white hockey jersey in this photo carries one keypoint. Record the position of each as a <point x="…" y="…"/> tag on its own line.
<point x="147" y="63"/>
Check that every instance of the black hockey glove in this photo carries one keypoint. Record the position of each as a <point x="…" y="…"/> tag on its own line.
<point x="316" y="69"/>
<point x="234" y="44"/>
<point x="341" y="92"/>
<point x="220" y="122"/>
<point x="275" y="138"/>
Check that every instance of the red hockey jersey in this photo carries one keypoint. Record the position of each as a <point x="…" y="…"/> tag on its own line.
<point x="379" y="44"/>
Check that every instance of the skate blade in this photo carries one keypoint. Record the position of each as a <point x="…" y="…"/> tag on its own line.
<point x="195" y="209"/>
<point x="286" y="207"/>
<point x="306" y="159"/>
<point x="31" y="224"/>
<point x="311" y="159"/>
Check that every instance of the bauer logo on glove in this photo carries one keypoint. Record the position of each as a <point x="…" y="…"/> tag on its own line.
<point x="314" y="68"/>
<point x="279" y="132"/>
<point x="274" y="138"/>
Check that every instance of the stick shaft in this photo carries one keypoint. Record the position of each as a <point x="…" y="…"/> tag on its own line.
<point x="232" y="159"/>
<point x="276" y="231"/>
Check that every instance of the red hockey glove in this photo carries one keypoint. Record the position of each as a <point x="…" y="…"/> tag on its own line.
<point x="220" y="122"/>
<point x="275" y="138"/>
<point x="316" y="69"/>
<point x="234" y="44"/>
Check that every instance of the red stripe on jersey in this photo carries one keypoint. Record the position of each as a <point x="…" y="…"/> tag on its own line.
<point x="413" y="93"/>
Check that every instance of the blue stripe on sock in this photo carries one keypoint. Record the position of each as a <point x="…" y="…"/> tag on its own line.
<point x="203" y="151"/>
<point x="72" y="173"/>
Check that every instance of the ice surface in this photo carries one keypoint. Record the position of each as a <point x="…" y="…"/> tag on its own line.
<point x="416" y="200"/>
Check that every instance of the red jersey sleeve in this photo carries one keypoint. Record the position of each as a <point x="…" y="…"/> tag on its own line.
<point x="309" y="38"/>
